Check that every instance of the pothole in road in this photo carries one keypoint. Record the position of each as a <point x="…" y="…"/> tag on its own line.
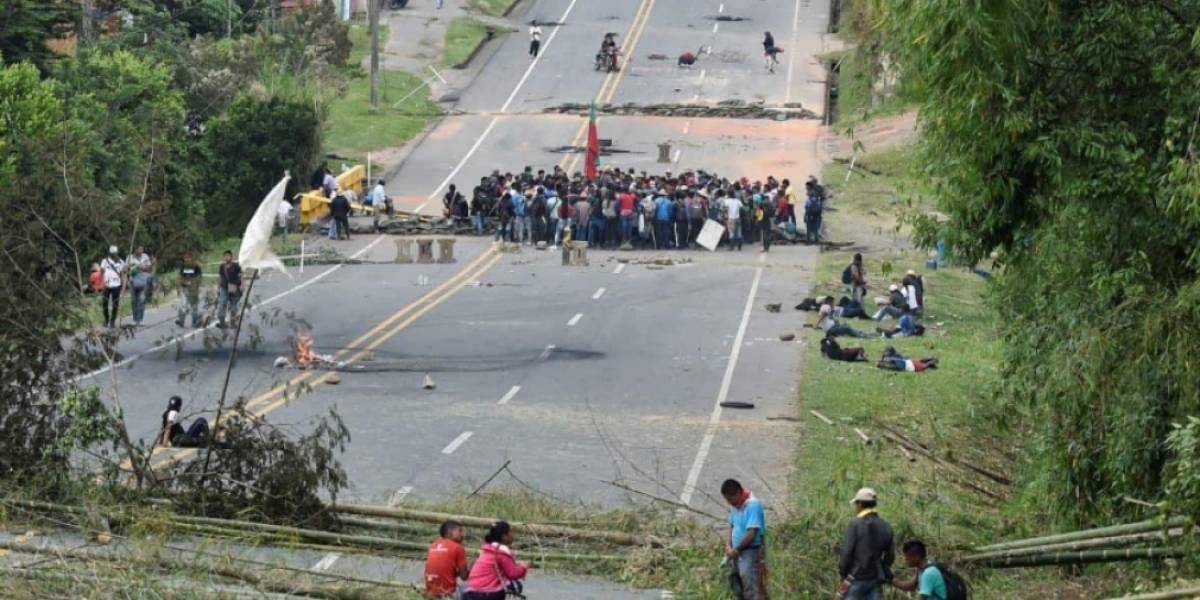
<point x="727" y="18"/>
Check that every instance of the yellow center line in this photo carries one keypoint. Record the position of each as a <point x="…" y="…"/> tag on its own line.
<point x="297" y="380"/>
<point x="610" y="83"/>
<point x="495" y="258"/>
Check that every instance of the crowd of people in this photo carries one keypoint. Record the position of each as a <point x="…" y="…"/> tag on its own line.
<point x="626" y="209"/>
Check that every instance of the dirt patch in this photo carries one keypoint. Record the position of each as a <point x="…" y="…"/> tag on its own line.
<point x="878" y="135"/>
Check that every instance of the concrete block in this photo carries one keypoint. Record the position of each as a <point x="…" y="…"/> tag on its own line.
<point x="403" y="251"/>
<point x="446" y="251"/>
<point x="425" y="251"/>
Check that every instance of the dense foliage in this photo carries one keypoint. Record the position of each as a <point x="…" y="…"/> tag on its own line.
<point x="155" y="137"/>
<point x="1061" y="136"/>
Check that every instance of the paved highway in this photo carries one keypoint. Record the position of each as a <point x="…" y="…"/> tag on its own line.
<point x="577" y="374"/>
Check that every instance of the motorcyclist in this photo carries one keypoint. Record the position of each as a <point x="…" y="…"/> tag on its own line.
<point x="608" y="50"/>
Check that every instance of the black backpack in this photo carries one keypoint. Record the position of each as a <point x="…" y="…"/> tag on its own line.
<point x="847" y="278"/>
<point x="956" y="588"/>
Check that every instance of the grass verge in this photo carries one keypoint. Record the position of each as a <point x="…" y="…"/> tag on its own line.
<point x="462" y="38"/>
<point x="494" y="8"/>
<point x="948" y="409"/>
<point x="352" y="130"/>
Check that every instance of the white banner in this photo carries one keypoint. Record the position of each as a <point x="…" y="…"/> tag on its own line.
<point x="255" y="252"/>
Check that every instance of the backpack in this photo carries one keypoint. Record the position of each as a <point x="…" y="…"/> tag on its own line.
<point x="956" y="588"/>
<point x="847" y="278"/>
<point x="813" y="205"/>
<point x="96" y="281"/>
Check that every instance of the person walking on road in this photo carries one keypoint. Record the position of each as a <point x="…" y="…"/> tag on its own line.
<point x="229" y="291"/>
<point x="188" y="286"/>
<point x="770" y="52"/>
<point x="535" y="39"/>
<point x="868" y="550"/>
<point x="746" y="538"/>
<point x="114" y="283"/>
<point x="141" y="281"/>
<point x="339" y="207"/>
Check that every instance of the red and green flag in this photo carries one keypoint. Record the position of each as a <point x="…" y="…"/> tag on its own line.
<point x="593" y="149"/>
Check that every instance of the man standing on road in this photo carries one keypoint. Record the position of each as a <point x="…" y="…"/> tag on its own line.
<point x="858" y="279"/>
<point x="745" y="544"/>
<point x="583" y="218"/>
<point x="662" y="220"/>
<point x="339" y="207"/>
<point x="114" y="282"/>
<point x="868" y="550"/>
<point x="446" y="563"/>
<point x="230" y="290"/>
<point x="535" y="39"/>
<point x="733" y="219"/>
<point x="141" y="281"/>
<point x="813" y="209"/>
<point x="188" y="286"/>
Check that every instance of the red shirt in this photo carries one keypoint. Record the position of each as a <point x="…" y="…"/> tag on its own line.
<point x="626" y="202"/>
<point x="441" y="567"/>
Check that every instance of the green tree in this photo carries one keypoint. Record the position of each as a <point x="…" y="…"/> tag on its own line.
<point x="1061" y="136"/>
<point x="246" y="152"/>
<point x="27" y="26"/>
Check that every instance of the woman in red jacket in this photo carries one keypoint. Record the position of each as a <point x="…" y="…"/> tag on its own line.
<point x="495" y="569"/>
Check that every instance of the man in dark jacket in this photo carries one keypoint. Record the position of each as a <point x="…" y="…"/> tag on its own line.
<point x="339" y="207"/>
<point x="868" y="550"/>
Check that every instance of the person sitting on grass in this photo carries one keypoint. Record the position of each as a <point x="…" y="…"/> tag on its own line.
<point x="831" y="350"/>
<point x="895" y="305"/>
<point x="894" y="361"/>
<point x="907" y="327"/>
<point x="827" y="323"/>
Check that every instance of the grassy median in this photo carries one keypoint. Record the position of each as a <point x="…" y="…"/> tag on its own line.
<point x="462" y="38"/>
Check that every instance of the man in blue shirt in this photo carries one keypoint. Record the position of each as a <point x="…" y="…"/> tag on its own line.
<point x="929" y="583"/>
<point x="662" y="219"/>
<point x="747" y="535"/>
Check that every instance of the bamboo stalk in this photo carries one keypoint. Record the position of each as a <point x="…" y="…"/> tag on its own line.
<point x="866" y="438"/>
<point x="388" y="525"/>
<point x="906" y="453"/>
<point x="1169" y="595"/>
<point x="1082" y="557"/>
<point x="822" y="417"/>
<point x="1087" y="534"/>
<point x="620" y="539"/>
<point x="1119" y="540"/>
<point x="272" y="532"/>
<point x="912" y="442"/>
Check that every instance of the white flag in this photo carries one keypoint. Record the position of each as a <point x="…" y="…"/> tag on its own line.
<point x="255" y="252"/>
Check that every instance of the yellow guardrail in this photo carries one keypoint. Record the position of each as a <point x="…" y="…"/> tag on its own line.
<point x="314" y="206"/>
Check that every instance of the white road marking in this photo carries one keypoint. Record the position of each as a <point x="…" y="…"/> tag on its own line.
<point x="686" y="127"/>
<point x="325" y="563"/>
<point x="721" y="9"/>
<point x="696" y="97"/>
<point x="689" y="487"/>
<point x="504" y="108"/>
<point x="546" y="353"/>
<point x="678" y="153"/>
<point x="420" y="206"/>
<point x="575" y="319"/>
<point x="458" y="441"/>
<point x="787" y="94"/>
<point x="399" y="495"/>
<point x="620" y="267"/>
<point x="599" y="292"/>
<point x="191" y="334"/>
<point x="715" y="25"/>
<point x="700" y="80"/>
<point x="510" y="395"/>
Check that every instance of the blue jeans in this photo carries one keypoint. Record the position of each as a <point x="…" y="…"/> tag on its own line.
<point x="137" y="299"/>
<point x="581" y="233"/>
<point x="842" y="329"/>
<point x="749" y="566"/>
<point x="662" y="233"/>
<point x="864" y="590"/>
<point x="478" y="218"/>
<point x="557" y="225"/>
<point x="226" y="300"/>
<point x="333" y="235"/>
<point x="504" y="231"/>
<point x="627" y="228"/>
<point x="596" y="231"/>
<point x="520" y="232"/>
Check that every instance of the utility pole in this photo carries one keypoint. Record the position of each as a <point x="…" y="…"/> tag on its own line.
<point x="228" y="18"/>
<point x="373" y="9"/>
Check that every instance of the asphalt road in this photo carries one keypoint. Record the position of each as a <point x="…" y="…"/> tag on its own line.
<point x="577" y="375"/>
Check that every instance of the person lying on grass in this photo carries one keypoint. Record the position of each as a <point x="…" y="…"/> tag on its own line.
<point x="831" y="350"/>
<point x="894" y="361"/>
<point x="907" y="327"/>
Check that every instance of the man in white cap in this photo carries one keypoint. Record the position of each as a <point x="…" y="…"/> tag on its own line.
<point x="895" y="307"/>
<point x="914" y="290"/>
<point x="868" y="550"/>
<point x="113" y="269"/>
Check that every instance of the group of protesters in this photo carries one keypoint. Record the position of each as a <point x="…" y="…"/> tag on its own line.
<point x="626" y="209"/>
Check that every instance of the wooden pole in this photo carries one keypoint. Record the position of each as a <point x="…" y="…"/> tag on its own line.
<point x="373" y="11"/>
<point x="1087" y="534"/>
<point x="1120" y="540"/>
<point x="1082" y="557"/>
<point x="620" y="539"/>
<point x="821" y="417"/>
<point x="1171" y="595"/>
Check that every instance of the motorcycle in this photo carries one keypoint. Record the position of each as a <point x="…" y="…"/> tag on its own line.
<point x="397" y="4"/>
<point x="608" y="61"/>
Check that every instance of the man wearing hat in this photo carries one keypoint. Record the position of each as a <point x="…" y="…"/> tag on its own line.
<point x="914" y="290"/>
<point x="895" y="307"/>
<point x="868" y="550"/>
<point x="113" y="269"/>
